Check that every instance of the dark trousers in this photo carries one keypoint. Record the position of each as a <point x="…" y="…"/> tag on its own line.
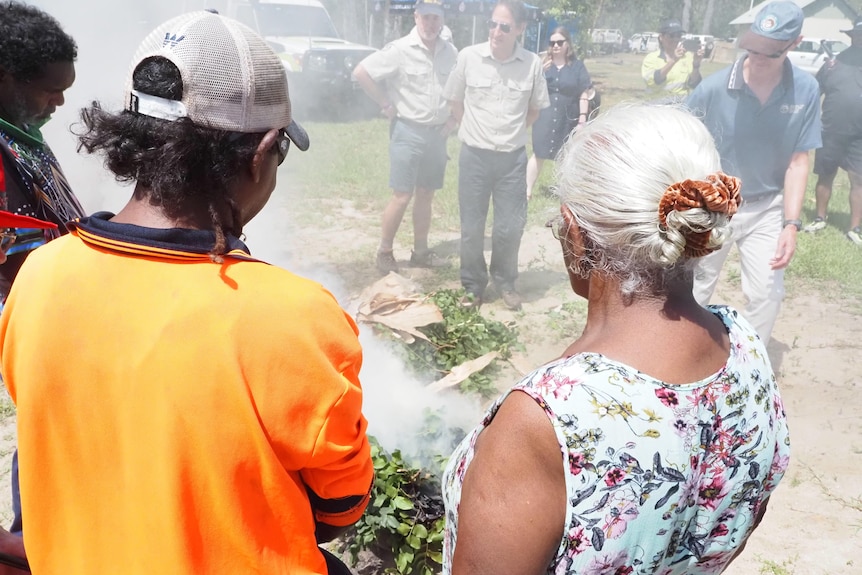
<point x="501" y="177"/>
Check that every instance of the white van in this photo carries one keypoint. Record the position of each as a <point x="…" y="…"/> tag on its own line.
<point x="643" y="42"/>
<point x="811" y="53"/>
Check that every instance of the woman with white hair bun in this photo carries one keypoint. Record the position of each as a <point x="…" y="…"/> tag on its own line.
<point x="653" y="444"/>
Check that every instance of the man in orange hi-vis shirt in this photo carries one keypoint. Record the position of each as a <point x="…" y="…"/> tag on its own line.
<point x="183" y="407"/>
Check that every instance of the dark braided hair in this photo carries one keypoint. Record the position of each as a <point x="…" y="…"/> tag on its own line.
<point x="186" y="167"/>
<point x="30" y="39"/>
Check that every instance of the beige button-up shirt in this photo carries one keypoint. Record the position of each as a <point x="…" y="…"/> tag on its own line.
<point x="414" y="78"/>
<point x="497" y="96"/>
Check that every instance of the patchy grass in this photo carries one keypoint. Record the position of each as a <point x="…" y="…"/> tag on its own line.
<point x="769" y="567"/>
<point x="349" y="162"/>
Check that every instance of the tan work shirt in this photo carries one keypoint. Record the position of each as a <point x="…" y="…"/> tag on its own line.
<point x="497" y="96"/>
<point x="414" y="77"/>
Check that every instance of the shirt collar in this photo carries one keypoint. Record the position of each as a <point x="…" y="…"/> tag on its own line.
<point x="485" y="51"/>
<point x="736" y="81"/>
<point x="31" y="136"/>
<point x="172" y="243"/>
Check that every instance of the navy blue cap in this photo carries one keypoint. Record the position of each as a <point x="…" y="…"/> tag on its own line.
<point x="781" y="20"/>
<point x="856" y="29"/>
<point x="429" y="7"/>
<point x="671" y="27"/>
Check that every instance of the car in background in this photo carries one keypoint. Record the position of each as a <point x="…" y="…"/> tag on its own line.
<point x="812" y="53"/>
<point x="607" y="40"/>
<point x="318" y="62"/>
<point x="706" y="41"/>
<point x="643" y="42"/>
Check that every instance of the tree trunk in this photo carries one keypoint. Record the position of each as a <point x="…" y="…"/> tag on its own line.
<point x="707" y="16"/>
<point x="686" y="15"/>
<point x="598" y="12"/>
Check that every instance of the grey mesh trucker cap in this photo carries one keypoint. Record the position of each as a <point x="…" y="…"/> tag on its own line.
<point x="232" y="80"/>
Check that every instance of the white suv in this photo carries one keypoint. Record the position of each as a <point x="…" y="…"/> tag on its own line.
<point x="813" y="52"/>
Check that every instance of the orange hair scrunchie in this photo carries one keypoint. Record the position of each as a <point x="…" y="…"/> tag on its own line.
<point x="717" y="193"/>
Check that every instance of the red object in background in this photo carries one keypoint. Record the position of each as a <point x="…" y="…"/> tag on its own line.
<point x="9" y="220"/>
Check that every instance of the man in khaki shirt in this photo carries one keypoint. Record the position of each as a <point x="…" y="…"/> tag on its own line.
<point x="496" y="92"/>
<point x="406" y="79"/>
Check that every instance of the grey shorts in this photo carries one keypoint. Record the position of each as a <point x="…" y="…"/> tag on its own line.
<point x="838" y="151"/>
<point x="417" y="157"/>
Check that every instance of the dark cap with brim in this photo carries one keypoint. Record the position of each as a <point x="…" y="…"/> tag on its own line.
<point x="856" y="29"/>
<point x="297" y="135"/>
<point x="429" y="7"/>
<point x="671" y="27"/>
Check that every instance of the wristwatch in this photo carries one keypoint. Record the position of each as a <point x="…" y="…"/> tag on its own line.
<point x="796" y="223"/>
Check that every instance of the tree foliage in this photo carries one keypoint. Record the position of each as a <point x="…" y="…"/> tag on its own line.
<point x="369" y="21"/>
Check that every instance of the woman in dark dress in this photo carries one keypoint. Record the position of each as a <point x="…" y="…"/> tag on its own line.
<point x="567" y="80"/>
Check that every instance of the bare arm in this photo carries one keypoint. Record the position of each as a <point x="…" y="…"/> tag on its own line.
<point x="513" y="500"/>
<point x="532" y="116"/>
<point x="11" y="551"/>
<point x="457" y="110"/>
<point x="373" y="90"/>
<point x="795" y="181"/>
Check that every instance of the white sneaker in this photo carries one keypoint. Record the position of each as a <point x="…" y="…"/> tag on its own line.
<point x="815" y="226"/>
<point x="855" y="236"/>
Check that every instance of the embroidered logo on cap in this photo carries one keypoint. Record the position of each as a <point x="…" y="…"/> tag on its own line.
<point x="768" y="23"/>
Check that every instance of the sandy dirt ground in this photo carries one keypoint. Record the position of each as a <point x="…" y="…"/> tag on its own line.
<point x="814" y="523"/>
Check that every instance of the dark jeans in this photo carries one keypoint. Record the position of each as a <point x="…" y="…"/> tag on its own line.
<point x="501" y="177"/>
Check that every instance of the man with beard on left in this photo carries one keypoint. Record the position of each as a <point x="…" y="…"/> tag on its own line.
<point x="406" y="79"/>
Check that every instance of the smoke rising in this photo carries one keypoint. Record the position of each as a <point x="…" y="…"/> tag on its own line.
<point x="107" y="33"/>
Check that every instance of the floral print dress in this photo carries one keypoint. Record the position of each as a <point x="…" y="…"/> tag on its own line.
<point x="661" y="479"/>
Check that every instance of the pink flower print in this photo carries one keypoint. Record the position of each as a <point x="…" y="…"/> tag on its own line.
<point x="719" y="530"/>
<point x="621" y="512"/>
<point x="609" y="563"/>
<point x="667" y="397"/>
<point x="779" y="463"/>
<point x="712" y="494"/>
<point x="577" y="541"/>
<point x="614" y="477"/>
<point x="577" y="461"/>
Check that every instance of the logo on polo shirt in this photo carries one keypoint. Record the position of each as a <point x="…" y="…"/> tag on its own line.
<point x="791" y="108"/>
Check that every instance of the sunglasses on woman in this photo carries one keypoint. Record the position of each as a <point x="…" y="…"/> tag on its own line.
<point x="557" y="43"/>
<point x="504" y="27"/>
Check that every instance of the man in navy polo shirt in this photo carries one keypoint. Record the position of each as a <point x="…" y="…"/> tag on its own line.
<point x="764" y="114"/>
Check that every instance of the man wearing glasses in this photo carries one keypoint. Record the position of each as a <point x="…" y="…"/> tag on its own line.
<point x="671" y="72"/>
<point x="496" y="92"/>
<point x="764" y="114"/>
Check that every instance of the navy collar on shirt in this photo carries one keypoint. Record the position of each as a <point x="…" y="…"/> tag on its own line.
<point x="175" y="243"/>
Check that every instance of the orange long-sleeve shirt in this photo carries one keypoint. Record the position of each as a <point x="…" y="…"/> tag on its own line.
<point x="174" y="413"/>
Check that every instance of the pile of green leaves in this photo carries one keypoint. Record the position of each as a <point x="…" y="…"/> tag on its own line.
<point x="464" y="334"/>
<point x="405" y="518"/>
